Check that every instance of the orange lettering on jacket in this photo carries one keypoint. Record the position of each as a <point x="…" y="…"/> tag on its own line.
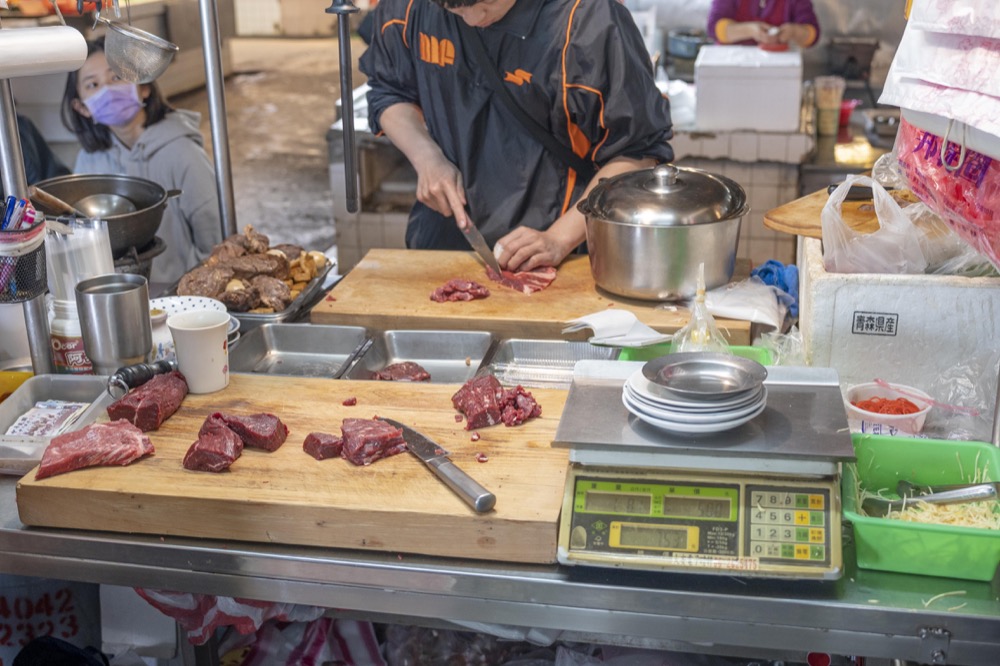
<point x="436" y="51"/>
<point x="518" y="77"/>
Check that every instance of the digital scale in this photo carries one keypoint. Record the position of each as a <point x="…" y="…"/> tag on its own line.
<point x="761" y="500"/>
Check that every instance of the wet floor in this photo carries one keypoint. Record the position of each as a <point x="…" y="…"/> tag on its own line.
<point x="280" y="103"/>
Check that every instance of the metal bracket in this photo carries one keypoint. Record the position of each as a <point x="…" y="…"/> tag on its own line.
<point x="937" y="641"/>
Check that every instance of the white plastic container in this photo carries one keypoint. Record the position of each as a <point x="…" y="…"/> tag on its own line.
<point x="66" y="340"/>
<point x="746" y="87"/>
<point x="872" y="423"/>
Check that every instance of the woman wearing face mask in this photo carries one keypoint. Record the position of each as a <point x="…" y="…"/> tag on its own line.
<point x="130" y="130"/>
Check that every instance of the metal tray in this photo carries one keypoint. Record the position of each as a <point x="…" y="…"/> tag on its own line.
<point x="302" y="350"/>
<point x="302" y="302"/>
<point x="19" y="453"/>
<point x="543" y="363"/>
<point x="451" y="357"/>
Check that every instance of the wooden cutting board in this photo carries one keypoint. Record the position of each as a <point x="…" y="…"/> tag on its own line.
<point x="390" y="289"/>
<point x="802" y="216"/>
<point x="288" y="497"/>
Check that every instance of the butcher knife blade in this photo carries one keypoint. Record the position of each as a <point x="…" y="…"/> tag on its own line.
<point x="436" y="458"/>
<point x="478" y="243"/>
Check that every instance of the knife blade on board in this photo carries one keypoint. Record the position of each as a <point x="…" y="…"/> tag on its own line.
<point x="436" y="458"/>
<point x="478" y="243"/>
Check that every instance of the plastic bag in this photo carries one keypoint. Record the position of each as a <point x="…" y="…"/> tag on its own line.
<point x="323" y="641"/>
<point x="972" y="385"/>
<point x="701" y="332"/>
<point x="964" y="189"/>
<point x="750" y="300"/>
<point x="894" y="248"/>
<point x="785" y="348"/>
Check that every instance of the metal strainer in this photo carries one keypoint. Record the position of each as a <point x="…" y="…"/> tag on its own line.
<point x="136" y="55"/>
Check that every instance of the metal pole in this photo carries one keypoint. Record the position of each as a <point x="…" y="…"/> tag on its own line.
<point x="996" y="417"/>
<point x="36" y="320"/>
<point x="217" y="113"/>
<point x="343" y="9"/>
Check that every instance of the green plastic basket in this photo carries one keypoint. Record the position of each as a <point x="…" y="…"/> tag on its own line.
<point x="759" y="354"/>
<point x="930" y="550"/>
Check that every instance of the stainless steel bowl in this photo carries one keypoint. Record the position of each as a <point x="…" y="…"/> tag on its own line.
<point x="648" y="230"/>
<point x="135" y="229"/>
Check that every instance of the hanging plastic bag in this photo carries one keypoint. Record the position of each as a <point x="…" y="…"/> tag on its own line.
<point x="701" y="332"/>
<point x="894" y="248"/>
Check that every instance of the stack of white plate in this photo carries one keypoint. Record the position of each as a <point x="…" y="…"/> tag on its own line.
<point x="697" y="392"/>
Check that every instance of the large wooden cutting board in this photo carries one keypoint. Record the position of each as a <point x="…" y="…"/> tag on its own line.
<point x="390" y="289"/>
<point x="287" y="497"/>
<point x="803" y="216"/>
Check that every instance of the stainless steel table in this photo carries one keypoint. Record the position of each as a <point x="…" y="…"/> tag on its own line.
<point x="866" y="613"/>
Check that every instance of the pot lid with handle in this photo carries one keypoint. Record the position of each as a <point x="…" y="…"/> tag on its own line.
<point x="666" y="196"/>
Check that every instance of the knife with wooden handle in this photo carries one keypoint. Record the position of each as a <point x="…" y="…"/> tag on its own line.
<point x="436" y="458"/>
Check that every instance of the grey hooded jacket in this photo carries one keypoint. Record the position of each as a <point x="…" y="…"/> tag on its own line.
<point x="171" y="154"/>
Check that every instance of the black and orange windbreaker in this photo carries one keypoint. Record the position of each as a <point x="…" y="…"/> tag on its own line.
<point x="577" y="66"/>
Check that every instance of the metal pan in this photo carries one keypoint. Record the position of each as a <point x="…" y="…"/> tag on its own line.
<point x="704" y="375"/>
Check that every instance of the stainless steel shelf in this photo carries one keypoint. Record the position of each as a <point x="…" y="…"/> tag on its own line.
<point x="866" y="613"/>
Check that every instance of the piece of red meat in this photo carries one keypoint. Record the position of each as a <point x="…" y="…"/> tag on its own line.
<point x="115" y="443"/>
<point x="407" y="371"/>
<point x="485" y="402"/>
<point x="459" y="290"/>
<point x="216" y="448"/>
<point x="480" y="400"/>
<point x="368" y="440"/>
<point x="322" y="445"/>
<point x="258" y="431"/>
<point x="152" y="403"/>
<point x="526" y="282"/>
<point x="518" y="406"/>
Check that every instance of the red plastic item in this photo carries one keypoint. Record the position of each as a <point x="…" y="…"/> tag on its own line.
<point x="847" y="107"/>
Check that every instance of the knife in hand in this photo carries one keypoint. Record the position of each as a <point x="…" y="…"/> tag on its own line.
<point x="436" y="458"/>
<point x="478" y="243"/>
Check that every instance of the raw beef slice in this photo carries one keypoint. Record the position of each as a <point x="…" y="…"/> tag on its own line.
<point x="525" y="281"/>
<point x="152" y="403"/>
<point x="115" y="443"/>
<point x="258" y="431"/>
<point x="485" y="402"/>
<point x="407" y="371"/>
<point x="459" y="290"/>
<point x="368" y="440"/>
<point x="216" y="448"/>
<point x="480" y="400"/>
<point x="322" y="445"/>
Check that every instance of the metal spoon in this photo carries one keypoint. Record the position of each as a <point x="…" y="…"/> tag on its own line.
<point x="880" y="506"/>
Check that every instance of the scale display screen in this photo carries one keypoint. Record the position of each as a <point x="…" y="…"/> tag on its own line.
<point x="698" y="521"/>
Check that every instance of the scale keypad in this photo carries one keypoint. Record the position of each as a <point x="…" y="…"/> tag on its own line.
<point x="788" y="525"/>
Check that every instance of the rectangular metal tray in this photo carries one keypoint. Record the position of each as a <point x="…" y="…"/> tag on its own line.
<point x="301" y="350"/>
<point x="451" y="357"/>
<point x="19" y="453"/>
<point x="543" y="363"/>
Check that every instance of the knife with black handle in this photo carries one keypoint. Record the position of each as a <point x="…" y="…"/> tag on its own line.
<point x="436" y="458"/>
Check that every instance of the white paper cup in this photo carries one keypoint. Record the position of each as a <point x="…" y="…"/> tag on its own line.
<point x="202" y="348"/>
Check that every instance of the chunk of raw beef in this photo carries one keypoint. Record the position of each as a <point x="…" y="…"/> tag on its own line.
<point x="407" y="371"/>
<point x="323" y="445"/>
<point x="480" y="400"/>
<point x="526" y="282"/>
<point x="459" y="290"/>
<point x="115" y="443"/>
<point x="216" y="448"/>
<point x="152" y="403"/>
<point x="368" y="440"/>
<point x="518" y="406"/>
<point x="258" y="431"/>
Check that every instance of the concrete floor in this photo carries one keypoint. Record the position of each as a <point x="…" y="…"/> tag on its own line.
<point x="280" y="102"/>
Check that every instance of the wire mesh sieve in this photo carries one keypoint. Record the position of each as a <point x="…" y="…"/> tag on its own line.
<point x="136" y="55"/>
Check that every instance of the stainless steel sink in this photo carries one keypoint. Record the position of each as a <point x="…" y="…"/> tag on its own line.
<point x="543" y="363"/>
<point x="302" y="350"/>
<point x="451" y="357"/>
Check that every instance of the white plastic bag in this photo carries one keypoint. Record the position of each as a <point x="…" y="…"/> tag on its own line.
<point x="894" y="248"/>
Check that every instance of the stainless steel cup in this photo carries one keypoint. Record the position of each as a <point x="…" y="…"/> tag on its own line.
<point x="114" y="320"/>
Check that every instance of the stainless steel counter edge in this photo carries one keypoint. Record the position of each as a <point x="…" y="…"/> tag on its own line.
<point x="867" y="613"/>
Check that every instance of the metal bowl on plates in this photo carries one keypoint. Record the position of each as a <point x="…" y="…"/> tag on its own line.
<point x="705" y="375"/>
<point x="648" y="230"/>
<point x="126" y="230"/>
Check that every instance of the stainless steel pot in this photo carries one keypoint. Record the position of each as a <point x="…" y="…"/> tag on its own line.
<point x="126" y="230"/>
<point x="648" y="230"/>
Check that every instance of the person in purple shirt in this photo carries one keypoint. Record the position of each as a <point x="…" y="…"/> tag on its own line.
<point x="773" y="24"/>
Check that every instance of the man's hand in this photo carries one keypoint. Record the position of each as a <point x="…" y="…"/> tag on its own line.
<point x="439" y="186"/>
<point x="524" y="249"/>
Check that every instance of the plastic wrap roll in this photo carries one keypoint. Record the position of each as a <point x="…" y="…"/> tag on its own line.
<point x="34" y="51"/>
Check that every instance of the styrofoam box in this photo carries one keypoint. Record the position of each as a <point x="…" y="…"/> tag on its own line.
<point x="900" y="328"/>
<point x="745" y="87"/>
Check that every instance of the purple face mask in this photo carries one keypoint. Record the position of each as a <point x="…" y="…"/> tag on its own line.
<point x="114" y="105"/>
